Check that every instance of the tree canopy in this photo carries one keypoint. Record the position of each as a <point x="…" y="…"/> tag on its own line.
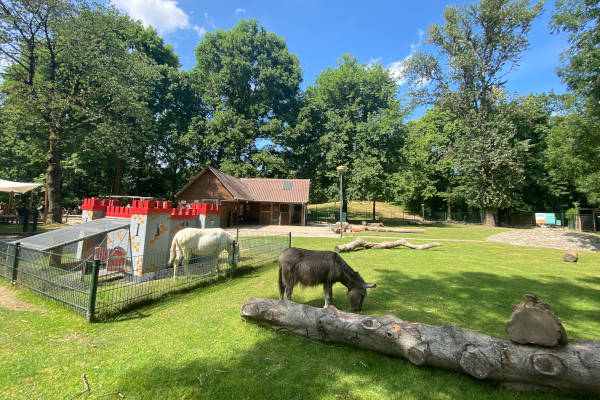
<point x="94" y="103"/>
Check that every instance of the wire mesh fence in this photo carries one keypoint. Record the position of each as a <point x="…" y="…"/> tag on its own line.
<point x="103" y="286"/>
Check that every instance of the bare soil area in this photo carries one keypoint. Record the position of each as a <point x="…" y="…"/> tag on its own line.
<point x="10" y="301"/>
<point x="549" y="238"/>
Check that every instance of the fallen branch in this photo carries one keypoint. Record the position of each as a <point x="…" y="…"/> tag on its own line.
<point x="85" y="384"/>
<point x="573" y="368"/>
<point x="397" y="230"/>
<point x="383" y="245"/>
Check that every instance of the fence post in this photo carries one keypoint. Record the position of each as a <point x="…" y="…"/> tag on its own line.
<point x="289" y="239"/>
<point x="237" y="235"/>
<point x="233" y="254"/>
<point x="15" y="263"/>
<point x="93" y="290"/>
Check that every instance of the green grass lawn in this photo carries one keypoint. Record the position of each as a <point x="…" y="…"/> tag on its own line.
<point x="438" y="231"/>
<point x="194" y="344"/>
<point x="15" y="228"/>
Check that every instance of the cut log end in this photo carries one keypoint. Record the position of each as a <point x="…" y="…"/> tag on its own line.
<point x="532" y="321"/>
<point x="571" y="256"/>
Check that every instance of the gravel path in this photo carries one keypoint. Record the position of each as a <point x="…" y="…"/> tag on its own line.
<point x="549" y="238"/>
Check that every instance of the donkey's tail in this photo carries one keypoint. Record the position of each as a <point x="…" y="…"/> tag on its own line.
<point x="281" y="285"/>
<point x="173" y="251"/>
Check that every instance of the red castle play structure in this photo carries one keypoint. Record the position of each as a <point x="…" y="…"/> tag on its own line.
<point x="152" y="225"/>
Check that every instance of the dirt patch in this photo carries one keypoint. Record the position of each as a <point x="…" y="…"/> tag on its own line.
<point x="549" y="238"/>
<point x="71" y="337"/>
<point x="258" y="284"/>
<point x="10" y="301"/>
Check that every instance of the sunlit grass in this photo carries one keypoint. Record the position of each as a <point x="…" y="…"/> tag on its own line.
<point x="15" y="228"/>
<point x="194" y="345"/>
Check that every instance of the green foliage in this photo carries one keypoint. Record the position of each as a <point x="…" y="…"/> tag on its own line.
<point x="581" y="61"/>
<point x="431" y="169"/>
<point x="574" y="143"/>
<point x="350" y="117"/>
<point x="477" y="46"/>
<point x="573" y="153"/>
<point x="249" y="84"/>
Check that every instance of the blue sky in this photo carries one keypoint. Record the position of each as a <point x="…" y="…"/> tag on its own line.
<point x="320" y="31"/>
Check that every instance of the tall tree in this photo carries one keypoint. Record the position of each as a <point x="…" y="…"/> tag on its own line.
<point x="477" y="47"/>
<point x="249" y="84"/>
<point x="574" y="145"/>
<point x="69" y="65"/>
<point x="350" y="116"/>
<point x="431" y="167"/>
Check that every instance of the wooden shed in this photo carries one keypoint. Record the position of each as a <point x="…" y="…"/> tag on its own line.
<point x="261" y="201"/>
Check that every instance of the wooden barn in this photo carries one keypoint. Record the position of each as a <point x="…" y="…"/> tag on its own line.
<point x="261" y="201"/>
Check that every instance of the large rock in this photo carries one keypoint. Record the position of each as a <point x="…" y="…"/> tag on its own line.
<point x="532" y="321"/>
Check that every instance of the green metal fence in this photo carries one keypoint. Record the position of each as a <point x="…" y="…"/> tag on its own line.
<point x="99" y="291"/>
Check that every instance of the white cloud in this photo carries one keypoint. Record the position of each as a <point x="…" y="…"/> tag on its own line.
<point x="396" y="68"/>
<point x="163" y="15"/>
<point x="210" y="20"/>
<point x="199" y="30"/>
<point x="374" y="61"/>
<point x="240" y="11"/>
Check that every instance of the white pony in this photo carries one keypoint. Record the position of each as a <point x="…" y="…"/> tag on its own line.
<point x="190" y="241"/>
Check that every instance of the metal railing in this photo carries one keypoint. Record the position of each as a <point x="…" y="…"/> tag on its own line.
<point x="100" y="290"/>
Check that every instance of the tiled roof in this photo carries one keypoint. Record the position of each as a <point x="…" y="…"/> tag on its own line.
<point x="278" y="190"/>
<point x="236" y="186"/>
<point x="260" y="189"/>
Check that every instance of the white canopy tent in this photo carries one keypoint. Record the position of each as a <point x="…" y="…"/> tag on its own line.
<point x="16" y="187"/>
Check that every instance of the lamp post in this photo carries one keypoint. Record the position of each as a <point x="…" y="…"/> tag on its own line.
<point x="341" y="169"/>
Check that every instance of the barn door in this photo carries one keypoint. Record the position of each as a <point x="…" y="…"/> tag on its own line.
<point x="284" y="214"/>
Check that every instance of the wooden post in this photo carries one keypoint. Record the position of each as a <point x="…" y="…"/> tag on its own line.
<point x="289" y="239"/>
<point x="45" y="202"/>
<point x="93" y="291"/>
<point x="15" y="263"/>
<point x="10" y="203"/>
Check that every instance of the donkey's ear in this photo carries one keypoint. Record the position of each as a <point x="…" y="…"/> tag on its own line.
<point x="367" y="285"/>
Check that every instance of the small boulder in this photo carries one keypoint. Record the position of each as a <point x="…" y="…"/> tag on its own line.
<point x="571" y="256"/>
<point x="532" y="321"/>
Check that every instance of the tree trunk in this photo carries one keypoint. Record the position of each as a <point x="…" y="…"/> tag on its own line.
<point x="373" y="219"/>
<point x="449" y="204"/>
<point x="383" y="245"/>
<point x="489" y="216"/>
<point x="574" y="368"/>
<point x="54" y="177"/>
<point x="118" y="177"/>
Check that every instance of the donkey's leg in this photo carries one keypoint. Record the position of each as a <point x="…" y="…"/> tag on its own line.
<point x="328" y="295"/>
<point x="288" y="292"/>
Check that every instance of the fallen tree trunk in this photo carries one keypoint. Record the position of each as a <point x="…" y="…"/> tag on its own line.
<point x="397" y="230"/>
<point x="383" y="245"/>
<point x="574" y="368"/>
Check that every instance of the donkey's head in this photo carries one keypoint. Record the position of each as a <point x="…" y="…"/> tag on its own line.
<point x="357" y="294"/>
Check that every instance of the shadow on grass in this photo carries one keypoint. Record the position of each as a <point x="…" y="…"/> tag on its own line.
<point x="289" y="367"/>
<point x="480" y="301"/>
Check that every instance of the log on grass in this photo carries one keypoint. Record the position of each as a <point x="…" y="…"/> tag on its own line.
<point x="397" y="230"/>
<point x="359" y="243"/>
<point x="574" y="368"/>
